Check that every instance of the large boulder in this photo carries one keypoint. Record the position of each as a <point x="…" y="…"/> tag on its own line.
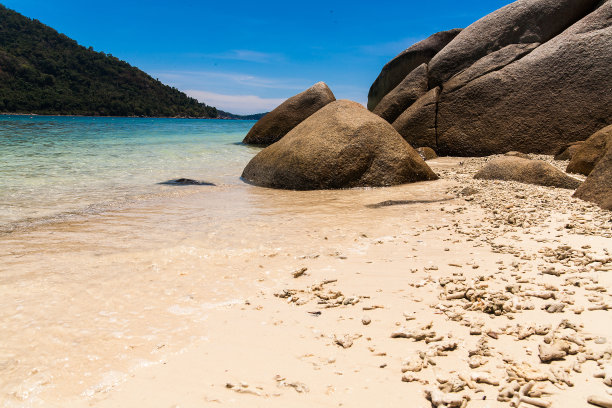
<point x="521" y="22"/>
<point x="342" y="145"/>
<point x="417" y="124"/>
<point x="526" y="171"/>
<point x="590" y="152"/>
<point x="492" y="62"/>
<point x="405" y="94"/>
<point x="557" y="94"/>
<point x="531" y="77"/>
<point x="597" y="188"/>
<point x="276" y="124"/>
<point x="396" y="70"/>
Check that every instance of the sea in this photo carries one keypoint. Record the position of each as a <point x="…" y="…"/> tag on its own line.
<point x="54" y="167"/>
<point x="104" y="271"/>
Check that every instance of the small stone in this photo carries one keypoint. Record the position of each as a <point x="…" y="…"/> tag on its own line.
<point x="299" y="272"/>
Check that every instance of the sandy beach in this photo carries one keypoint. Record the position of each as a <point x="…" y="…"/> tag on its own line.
<point x="469" y="291"/>
<point x="410" y="206"/>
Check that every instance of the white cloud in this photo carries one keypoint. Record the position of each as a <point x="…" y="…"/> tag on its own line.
<point x="248" y="55"/>
<point x="239" y="104"/>
<point x="212" y="78"/>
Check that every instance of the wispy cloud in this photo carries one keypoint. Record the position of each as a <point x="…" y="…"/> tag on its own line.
<point x="249" y="56"/>
<point x="204" y="77"/>
<point x="240" y="104"/>
<point x="241" y="55"/>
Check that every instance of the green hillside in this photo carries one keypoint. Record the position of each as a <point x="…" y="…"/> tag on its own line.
<point x="45" y="72"/>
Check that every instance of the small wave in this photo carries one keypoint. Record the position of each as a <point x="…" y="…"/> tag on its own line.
<point x="80" y="214"/>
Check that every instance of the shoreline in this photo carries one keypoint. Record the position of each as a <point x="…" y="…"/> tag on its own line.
<point x="303" y="340"/>
<point x="122" y="117"/>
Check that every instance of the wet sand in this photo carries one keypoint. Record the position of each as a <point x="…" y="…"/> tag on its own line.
<point x="241" y="296"/>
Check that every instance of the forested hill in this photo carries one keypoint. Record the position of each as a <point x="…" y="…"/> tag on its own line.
<point x="45" y="72"/>
<point x="227" y="115"/>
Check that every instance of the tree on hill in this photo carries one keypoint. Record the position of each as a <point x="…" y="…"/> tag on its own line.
<point x="45" y="72"/>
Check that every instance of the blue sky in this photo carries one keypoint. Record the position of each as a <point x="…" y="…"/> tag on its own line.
<point x="248" y="56"/>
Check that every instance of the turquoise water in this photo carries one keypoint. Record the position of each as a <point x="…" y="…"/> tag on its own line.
<point x="52" y="166"/>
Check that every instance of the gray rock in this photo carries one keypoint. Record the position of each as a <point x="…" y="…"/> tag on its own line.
<point x="590" y="152"/>
<point x="521" y="22"/>
<point x="517" y="154"/>
<point x="468" y="191"/>
<point x="526" y="171"/>
<point x="557" y="94"/>
<point x="276" y="124"/>
<point x="342" y="145"/>
<point x="417" y="124"/>
<point x="402" y="96"/>
<point x="427" y="153"/>
<point x="489" y="63"/>
<point x="597" y="188"/>
<point x="400" y="66"/>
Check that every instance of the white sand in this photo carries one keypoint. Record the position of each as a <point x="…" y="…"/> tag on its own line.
<point x="436" y="271"/>
<point x="273" y="352"/>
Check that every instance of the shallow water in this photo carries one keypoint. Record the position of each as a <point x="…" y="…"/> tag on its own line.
<point x="56" y="165"/>
<point x="87" y="299"/>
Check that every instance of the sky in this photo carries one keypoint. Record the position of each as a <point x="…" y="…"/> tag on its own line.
<point x="247" y="57"/>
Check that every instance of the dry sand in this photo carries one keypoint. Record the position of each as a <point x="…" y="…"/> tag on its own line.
<point x="444" y="303"/>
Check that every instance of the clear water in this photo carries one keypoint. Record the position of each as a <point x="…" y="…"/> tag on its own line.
<point x="53" y="166"/>
<point x="128" y="272"/>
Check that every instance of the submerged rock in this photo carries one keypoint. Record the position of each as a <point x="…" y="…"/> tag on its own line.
<point x="590" y="152"/>
<point x="342" y="145"/>
<point x="186" y="182"/>
<point x="276" y="124"/>
<point x="526" y="171"/>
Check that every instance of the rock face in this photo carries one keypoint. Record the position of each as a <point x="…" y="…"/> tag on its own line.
<point x="342" y="145"/>
<point x="597" y="188"/>
<point x="532" y="77"/>
<point x="526" y="171"/>
<point x="418" y="123"/>
<point x="489" y="63"/>
<point x="590" y="152"/>
<point x="521" y="22"/>
<point x="276" y="124"/>
<point x="550" y="97"/>
<point x="405" y="94"/>
<point x="396" y="70"/>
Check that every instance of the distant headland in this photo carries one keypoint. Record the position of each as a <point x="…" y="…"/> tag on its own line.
<point x="44" y="72"/>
